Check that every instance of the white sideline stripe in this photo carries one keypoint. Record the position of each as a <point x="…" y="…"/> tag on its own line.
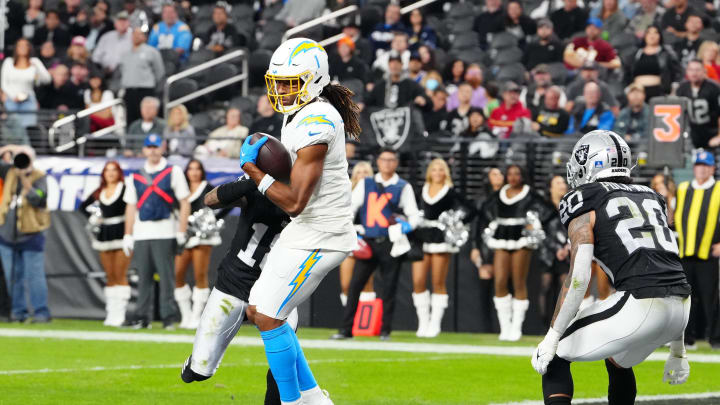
<point x="437" y="348"/>
<point x="225" y="365"/>
<point x="641" y="398"/>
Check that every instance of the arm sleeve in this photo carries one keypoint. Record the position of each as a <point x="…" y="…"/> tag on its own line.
<point x="5" y="78"/>
<point x="228" y="193"/>
<point x="409" y="205"/>
<point x="37" y="196"/>
<point x="582" y="268"/>
<point x="43" y="76"/>
<point x="83" y="206"/>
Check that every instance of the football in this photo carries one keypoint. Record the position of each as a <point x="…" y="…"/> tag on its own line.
<point x="273" y="158"/>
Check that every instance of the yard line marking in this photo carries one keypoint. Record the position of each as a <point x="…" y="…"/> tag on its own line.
<point x="437" y="348"/>
<point x="641" y="398"/>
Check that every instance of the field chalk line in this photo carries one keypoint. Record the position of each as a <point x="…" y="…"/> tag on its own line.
<point x="640" y="399"/>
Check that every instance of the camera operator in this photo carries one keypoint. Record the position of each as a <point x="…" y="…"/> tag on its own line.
<point x="23" y="218"/>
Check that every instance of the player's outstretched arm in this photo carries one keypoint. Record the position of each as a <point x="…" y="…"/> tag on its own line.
<point x="292" y="198"/>
<point x="231" y="194"/>
<point x="580" y="232"/>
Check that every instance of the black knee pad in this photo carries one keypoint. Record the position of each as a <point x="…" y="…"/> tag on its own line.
<point x="557" y="380"/>
<point x="621" y="384"/>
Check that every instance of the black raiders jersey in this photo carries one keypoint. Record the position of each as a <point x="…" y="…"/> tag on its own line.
<point x="704" y="111"/>
<point x="633" y="243"/>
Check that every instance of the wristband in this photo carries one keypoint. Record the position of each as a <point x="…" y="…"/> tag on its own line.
<point x="265" y="183"/>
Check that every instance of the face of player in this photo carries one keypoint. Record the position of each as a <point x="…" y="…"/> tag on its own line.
<point x="111" y="174"/>
<point x="496" y="178"/>
<point x="194" y="173"/>
<point x="153" y="154"/>
<point x="703" y="172"/>
<point x="285" y="87"/>
<point x="558" y="187"/>
<point x="437" y="174"/>
<point x="514" y="177"/>
<point x="387" y="164"/>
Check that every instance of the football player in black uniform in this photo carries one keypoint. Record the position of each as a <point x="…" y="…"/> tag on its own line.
<point x="704" y="98"/>
<point x="624" y="228"/>
<point x="258" y="228"/>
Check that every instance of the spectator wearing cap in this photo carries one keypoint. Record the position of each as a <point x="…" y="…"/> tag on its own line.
<point x="344" y="65"/>
<point x="545" y="49"/>
<point x="171" y="33"/>
<point x="490" y="21"/>
<point x="147" y="124"/>
<point x="613" y="19"/>
<point x="420" y="33"/>
<point x="589" y="73"/>
<point x="549" y="119"/>
<point x="114" y="44"/>
<point x="384" y="33"/>
<point x="77" y="52"/>
<point x="141" y="70"/>
<point x="532" y="96"/>
<point x="152" y="233"/>
<point x="436" y="118"/>
<point x="61" y="93"/>
<point x="222" y="36"/>
<point x="569" y="20"/>
<point x="518" y="23"/>
<point x="590" y="113"/>
<point x="504" y="116"/>
<point x="687" y="48"/>
<point x="52" y="31"/>
<point x="364" y="49"/>
<point x="591" y="48"/>
<point x="674" y="19"/>
<point x="474" y="77"/>
<point x="415" y="68"/>
<point x="399" y="47"/>
<point x="655" y="67"/>
<point x="648" y="14"/>
<point x="99" y="25"/>
<point x="227" y="140"/>
<point x="396" y="90"/>
<point x="634" y="120"/>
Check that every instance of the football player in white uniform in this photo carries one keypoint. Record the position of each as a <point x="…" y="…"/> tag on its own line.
<point x="318" y="115"/>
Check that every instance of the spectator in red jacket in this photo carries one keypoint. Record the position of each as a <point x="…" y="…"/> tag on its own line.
<point x="591" y="48"/>
<point x="503" y="117"/>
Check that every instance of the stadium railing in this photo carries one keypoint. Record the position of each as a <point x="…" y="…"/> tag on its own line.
<point x="62" y="135"/>
<point x="317" y="21"/>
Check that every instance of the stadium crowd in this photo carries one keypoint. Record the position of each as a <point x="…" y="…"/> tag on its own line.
<point x="483" y="73"/>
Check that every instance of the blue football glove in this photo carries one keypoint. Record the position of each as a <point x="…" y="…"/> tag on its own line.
<point x="249" y="152"/>
<point x="405" y="227"/>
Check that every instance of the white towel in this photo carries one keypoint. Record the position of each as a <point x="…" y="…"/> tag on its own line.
<point x="401" y="245"/>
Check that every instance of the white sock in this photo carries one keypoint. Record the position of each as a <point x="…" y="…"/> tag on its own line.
<point x="343" y="299"/>
<point x="312" y="396"/>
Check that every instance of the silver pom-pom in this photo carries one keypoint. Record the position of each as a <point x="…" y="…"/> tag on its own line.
<point x="94" y="220"/>
<point x="455" y="231"/>
<point x="533" y="231"/>
<point x="203" y="225"/>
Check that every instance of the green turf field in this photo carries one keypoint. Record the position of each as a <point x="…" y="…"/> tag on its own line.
<point x="52" y="370"/>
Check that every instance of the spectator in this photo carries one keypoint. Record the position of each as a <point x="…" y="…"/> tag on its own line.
<point x="415" y="71"/>
<point x="589" y="73"/>
<point x="532" y="96"/>
<point x="493" y="93"/>
<point x="61" y="93"/>
<point x="431" y="81"/>
<point x="396" y="90"/>
<point x="708" y="54"/>
<point x="490" y="21"/>
<point x="96" y="94"/>
<point x="436" y="119"/>
<point x="344" y="65"/>
<point x="179" y="133"/>
<point x="296" y="12"/>
<point x="376" y="234"/>
<point x="634" y="120"/>
<point x="138" y="16"/>
<point x="655" y="66"/>
<point x="454" y="74"/>
<point x="427" y="57"/>
<point x="141" y="70"/>
<point x="666" y="187"/>
<point x="23" y="218"/>
<point x="614" y="22"/>
<point x="591" y="48"/>
<point x="518" y="23"/>
<point x="48" y="56"/>
<point x="34" y="18"/>
<point x="569" y="20"/>
<point x="399" y="47"/>
<point x="457" y="118"/>
<point x="222" y="36"/>
<point x="99" y="25"/>
<point x="226" y="140"/>
<point x="545" y="49"/>
<point x="704" y="105"/>
<point x="483" y="143"/>
<point x="590" y="113"/>
<point x="384" y="33"/>
<point x="171" y="33"/>
<point x="473" y="76"/>
<point x="69" y="11"/>
<point x="674" y="19"/>
<point x="503" y="117"/>
<point x="420" y="32"/>
<point x="363" y="47"/>
<point x="79" y="76"/>
<point x="20" y="74"/>
<point x="147" y="124"/>
<point x="699" y="247"/>
<point x="686" y="49"/>
<point x="52" y="31"/>
<point x="549" y="119"/>
<point x="649" y="14"/>
<point x="77" y="52"/>
<point x="151" y="231"/>
<point x="114" y="45"/>
<point x="267" y="120"/>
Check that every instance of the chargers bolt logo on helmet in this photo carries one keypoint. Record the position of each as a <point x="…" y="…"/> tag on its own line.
<point x="597" y="155"/>
<point x="300" y="67"/>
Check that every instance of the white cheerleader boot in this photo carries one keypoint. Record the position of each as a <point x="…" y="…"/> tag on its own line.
<point x="343" y="299"/>
<point x="108" y="304"/>
<point x="199" y="297"/>
<point x="182" y="297"/>
<point x="519" y="308"/>
<point x="503" y="306"/>
<point x="439" y="303"/>
<point x="422" y="307"/>
<point x="121" y="296"/>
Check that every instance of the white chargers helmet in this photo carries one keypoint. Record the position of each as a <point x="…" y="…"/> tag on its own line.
<point x="598" y="154"/>
<point x="304" y="64"/>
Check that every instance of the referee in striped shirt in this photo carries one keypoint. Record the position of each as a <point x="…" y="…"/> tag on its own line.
<point x="696" y="222"/>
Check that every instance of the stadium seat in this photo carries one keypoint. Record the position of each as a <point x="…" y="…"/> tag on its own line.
<point x="258" y="65"/>
<point x="369" y="17"/>
<point x="245" y="104"/>
<point x="623" y="40"/>
<point x="203" y="123"/>
<point x="356" y="86"/>
<point x="461" y="25"/>
<point x="474" y="55"/>
<point x="515" y="72"/>
<point x="203" y="12"/>
<point x="558" y="73"/>
<point x="200" y="56"/>
<point x="272" y="34"/>
<point x="182" y="88"/>
<point x="460" y="11"/>
<point x="242" y="12"/>
<point x="170" y="56"/>
<point x="467" y="40"/>
<point x="219" y="73"/>
<point x="502" y="40"/>
<point x="508" y="56"/>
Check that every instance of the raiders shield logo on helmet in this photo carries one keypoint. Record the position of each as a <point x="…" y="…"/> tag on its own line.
<point x="391" y="126"/>
<point x="581" y="154"/>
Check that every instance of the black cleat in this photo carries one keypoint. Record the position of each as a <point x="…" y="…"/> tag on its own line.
<point x="188" y="375"/>
<point x="341" y="336"/>
<point x="137" y="324"/>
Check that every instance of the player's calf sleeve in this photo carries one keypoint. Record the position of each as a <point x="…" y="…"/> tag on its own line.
<point x="218" y="325"/>
<point x="621" y="384"/>
<point x="306" y="380"/>
<point x="557" y="380"/>
<point x="280" y="349"/>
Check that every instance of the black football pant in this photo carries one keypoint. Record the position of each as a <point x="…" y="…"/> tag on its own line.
<point x="389" y="271"/>
<point x="704" y="313"/>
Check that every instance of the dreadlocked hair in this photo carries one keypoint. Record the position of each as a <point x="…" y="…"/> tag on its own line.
<point x="341" y="98"/>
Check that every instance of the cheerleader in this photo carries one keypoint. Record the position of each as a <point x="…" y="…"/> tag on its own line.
<point x="360" y="171"/>
<point x="438" y="196"/>
<point x="196" y="251"/>
<point x="108" y="240"/>
<point x="507" y="211"/>
<point x="554" y="254"/>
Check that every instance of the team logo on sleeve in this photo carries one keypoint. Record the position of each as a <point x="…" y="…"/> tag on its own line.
<point x="391" y="126"/>
<point x="581" y="154"/>
<point x="316" y="119"/>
